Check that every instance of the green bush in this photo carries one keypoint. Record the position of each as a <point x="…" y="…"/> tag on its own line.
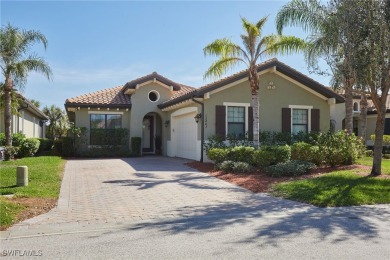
<point x="340" y="148"/>
<point x="241" y="167"/>
<point x="262" y="158"/>
<point x="136" y="146"/>
<point x="45" y="144"/>
<point x="302" y="151"/>
<point x="290" y="168"/>
<point x="226" y="166"/>
<point x="270" y="155"/>
<point x="241" y="154"/>
<point x="386" y="139"/>
<point x="17" y="139"/>
<point x="28" y="147"/>
<point x="67" y="147"/>
<point x="112" y="137"/>
<point x="58" y="146"/>
<point x="10" y="152"/>
<point x="214" y="141"/>
<point x="218" y="154"/>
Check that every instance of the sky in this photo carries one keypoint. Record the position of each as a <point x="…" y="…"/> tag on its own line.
<point x="94" y="45"/>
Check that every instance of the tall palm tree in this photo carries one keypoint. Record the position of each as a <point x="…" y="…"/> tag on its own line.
<point x="255" y="47"/>
<point x="327" y="39"/>
<point x="16" y="62"/>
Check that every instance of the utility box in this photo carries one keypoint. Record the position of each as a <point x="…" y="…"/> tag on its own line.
<point x="22" y="176"/>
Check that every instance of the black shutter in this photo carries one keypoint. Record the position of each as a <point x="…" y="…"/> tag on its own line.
<point x="250" y="123"/>
<point x="286" y="120"/>
<point x="387" y="126"/>
<point x="315" y="120"/>
<point x="220" y="121"/>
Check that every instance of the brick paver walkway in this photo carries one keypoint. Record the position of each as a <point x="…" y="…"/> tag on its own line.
<point x="134" y="189"/>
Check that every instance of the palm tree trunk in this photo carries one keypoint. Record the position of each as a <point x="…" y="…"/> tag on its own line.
<point x="7" y="112"/>
<point x="254" y="84"/>
<point x="363" y="117"/>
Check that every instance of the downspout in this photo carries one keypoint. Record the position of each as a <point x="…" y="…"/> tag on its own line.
<point x="202" y="128"/>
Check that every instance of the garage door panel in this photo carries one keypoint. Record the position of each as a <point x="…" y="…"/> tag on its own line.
<point x="186" y="136"/>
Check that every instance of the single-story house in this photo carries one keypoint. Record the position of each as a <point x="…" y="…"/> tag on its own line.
<point x="29" y="120"/>
<point x="154" y="106"/>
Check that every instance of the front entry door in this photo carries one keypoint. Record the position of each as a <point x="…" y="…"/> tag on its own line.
<point x="147" y="134"/>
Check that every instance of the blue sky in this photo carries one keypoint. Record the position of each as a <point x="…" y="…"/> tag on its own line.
<point x="95" y="45"/>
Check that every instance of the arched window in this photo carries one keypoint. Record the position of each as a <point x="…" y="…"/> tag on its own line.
<point x="355" y="106"/>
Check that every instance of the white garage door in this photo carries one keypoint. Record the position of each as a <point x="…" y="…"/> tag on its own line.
<point x="185" y="136"/>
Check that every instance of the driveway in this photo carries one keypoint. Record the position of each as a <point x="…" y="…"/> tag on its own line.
<point x="150" y="187"/>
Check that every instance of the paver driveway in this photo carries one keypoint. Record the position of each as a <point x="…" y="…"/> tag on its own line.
<point x="134" y="189"/>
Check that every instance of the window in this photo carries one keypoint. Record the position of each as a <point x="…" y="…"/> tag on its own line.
<point x="103" y="126"/>
<point x="299" y="120"/>
<point x="236" y="121"/>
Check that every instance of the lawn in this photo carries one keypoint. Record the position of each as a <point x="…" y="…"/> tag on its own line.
<point x="45" y="173"/>
<point x="339" y="188"/>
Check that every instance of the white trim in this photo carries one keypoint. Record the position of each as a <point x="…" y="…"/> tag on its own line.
<point x="23" y="122"/>
<point x="105" y="112"/>
<point x="184" y="111"/>
<point x="178" y="105"/>
<point x="232" y="104"/>
<point x="309" y="108"/>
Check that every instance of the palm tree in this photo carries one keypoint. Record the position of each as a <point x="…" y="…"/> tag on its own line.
<point x="255" y="47"/>
<point x="16" y="63"/>
<point x="327" y="39"/>
<point x="57" y="121"/>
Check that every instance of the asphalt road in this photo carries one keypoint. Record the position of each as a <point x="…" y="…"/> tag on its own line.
<point x="338" y="233"/>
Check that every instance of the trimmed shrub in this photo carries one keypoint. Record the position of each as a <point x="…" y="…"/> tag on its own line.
<point x="340" y="148"/>
<point x="214" y="141"/>
<point x="67" y="147"/>
<point x="241" y="167"/>
<point x="369" y="153"/>
<point x="226" y="166"/>
<point x="10" y="152"/>
<point x="306" y="152"/>
<point x="58" y="146"/>
<point x="28" y="147"/>
<point x="218" y="154"/>
<point x="45" y="144"/>
<point x="241" y="154"/>
<point x="290" y="168"/>
<point x="270" y="155"/>
<point x="136" y="146"/>
<point x="17" y="139"/>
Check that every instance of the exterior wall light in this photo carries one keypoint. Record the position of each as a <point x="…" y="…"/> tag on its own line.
<point x="197" y="117"/>
<point x="166" y="123"/>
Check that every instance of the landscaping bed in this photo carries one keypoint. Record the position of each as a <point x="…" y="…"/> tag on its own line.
<point x="324" y="186"/>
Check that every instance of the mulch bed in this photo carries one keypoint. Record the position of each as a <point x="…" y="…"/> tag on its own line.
<point x="258" y="181"/>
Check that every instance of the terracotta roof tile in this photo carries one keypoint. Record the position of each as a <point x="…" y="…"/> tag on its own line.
<point x="110" y="96"/>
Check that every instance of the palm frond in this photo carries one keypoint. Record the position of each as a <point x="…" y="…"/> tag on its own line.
<point x="222" y="48"/>
<point x="221" y="66"/>
<point x="307" y="14"/>
<point x="284" y="45"/>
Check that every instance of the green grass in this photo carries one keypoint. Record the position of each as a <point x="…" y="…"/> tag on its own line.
<point x="368" y="162"/>
<point x="341" y="188"/>
<point x="44" y="174"/>
<point x="8" y="212"/>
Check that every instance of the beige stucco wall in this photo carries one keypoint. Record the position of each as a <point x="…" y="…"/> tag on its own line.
<point x="141" y="105"/>
<point x="27" y="123"/>
<point x="271" y="102"/>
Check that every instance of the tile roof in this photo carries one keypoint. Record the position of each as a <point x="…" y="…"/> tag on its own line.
<point x="132" y="84"/>
<point x="281" y="67"/>
<point x="109" y="97"/>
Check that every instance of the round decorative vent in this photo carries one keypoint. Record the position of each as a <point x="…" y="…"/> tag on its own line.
<point x="153" y="96"/>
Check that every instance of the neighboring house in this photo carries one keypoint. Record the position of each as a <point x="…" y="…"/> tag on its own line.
<point x="30" y="121"/>
<point x="153" y="106"/>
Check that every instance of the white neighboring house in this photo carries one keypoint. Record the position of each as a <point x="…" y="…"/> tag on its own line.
<point x="30" y="121"/>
